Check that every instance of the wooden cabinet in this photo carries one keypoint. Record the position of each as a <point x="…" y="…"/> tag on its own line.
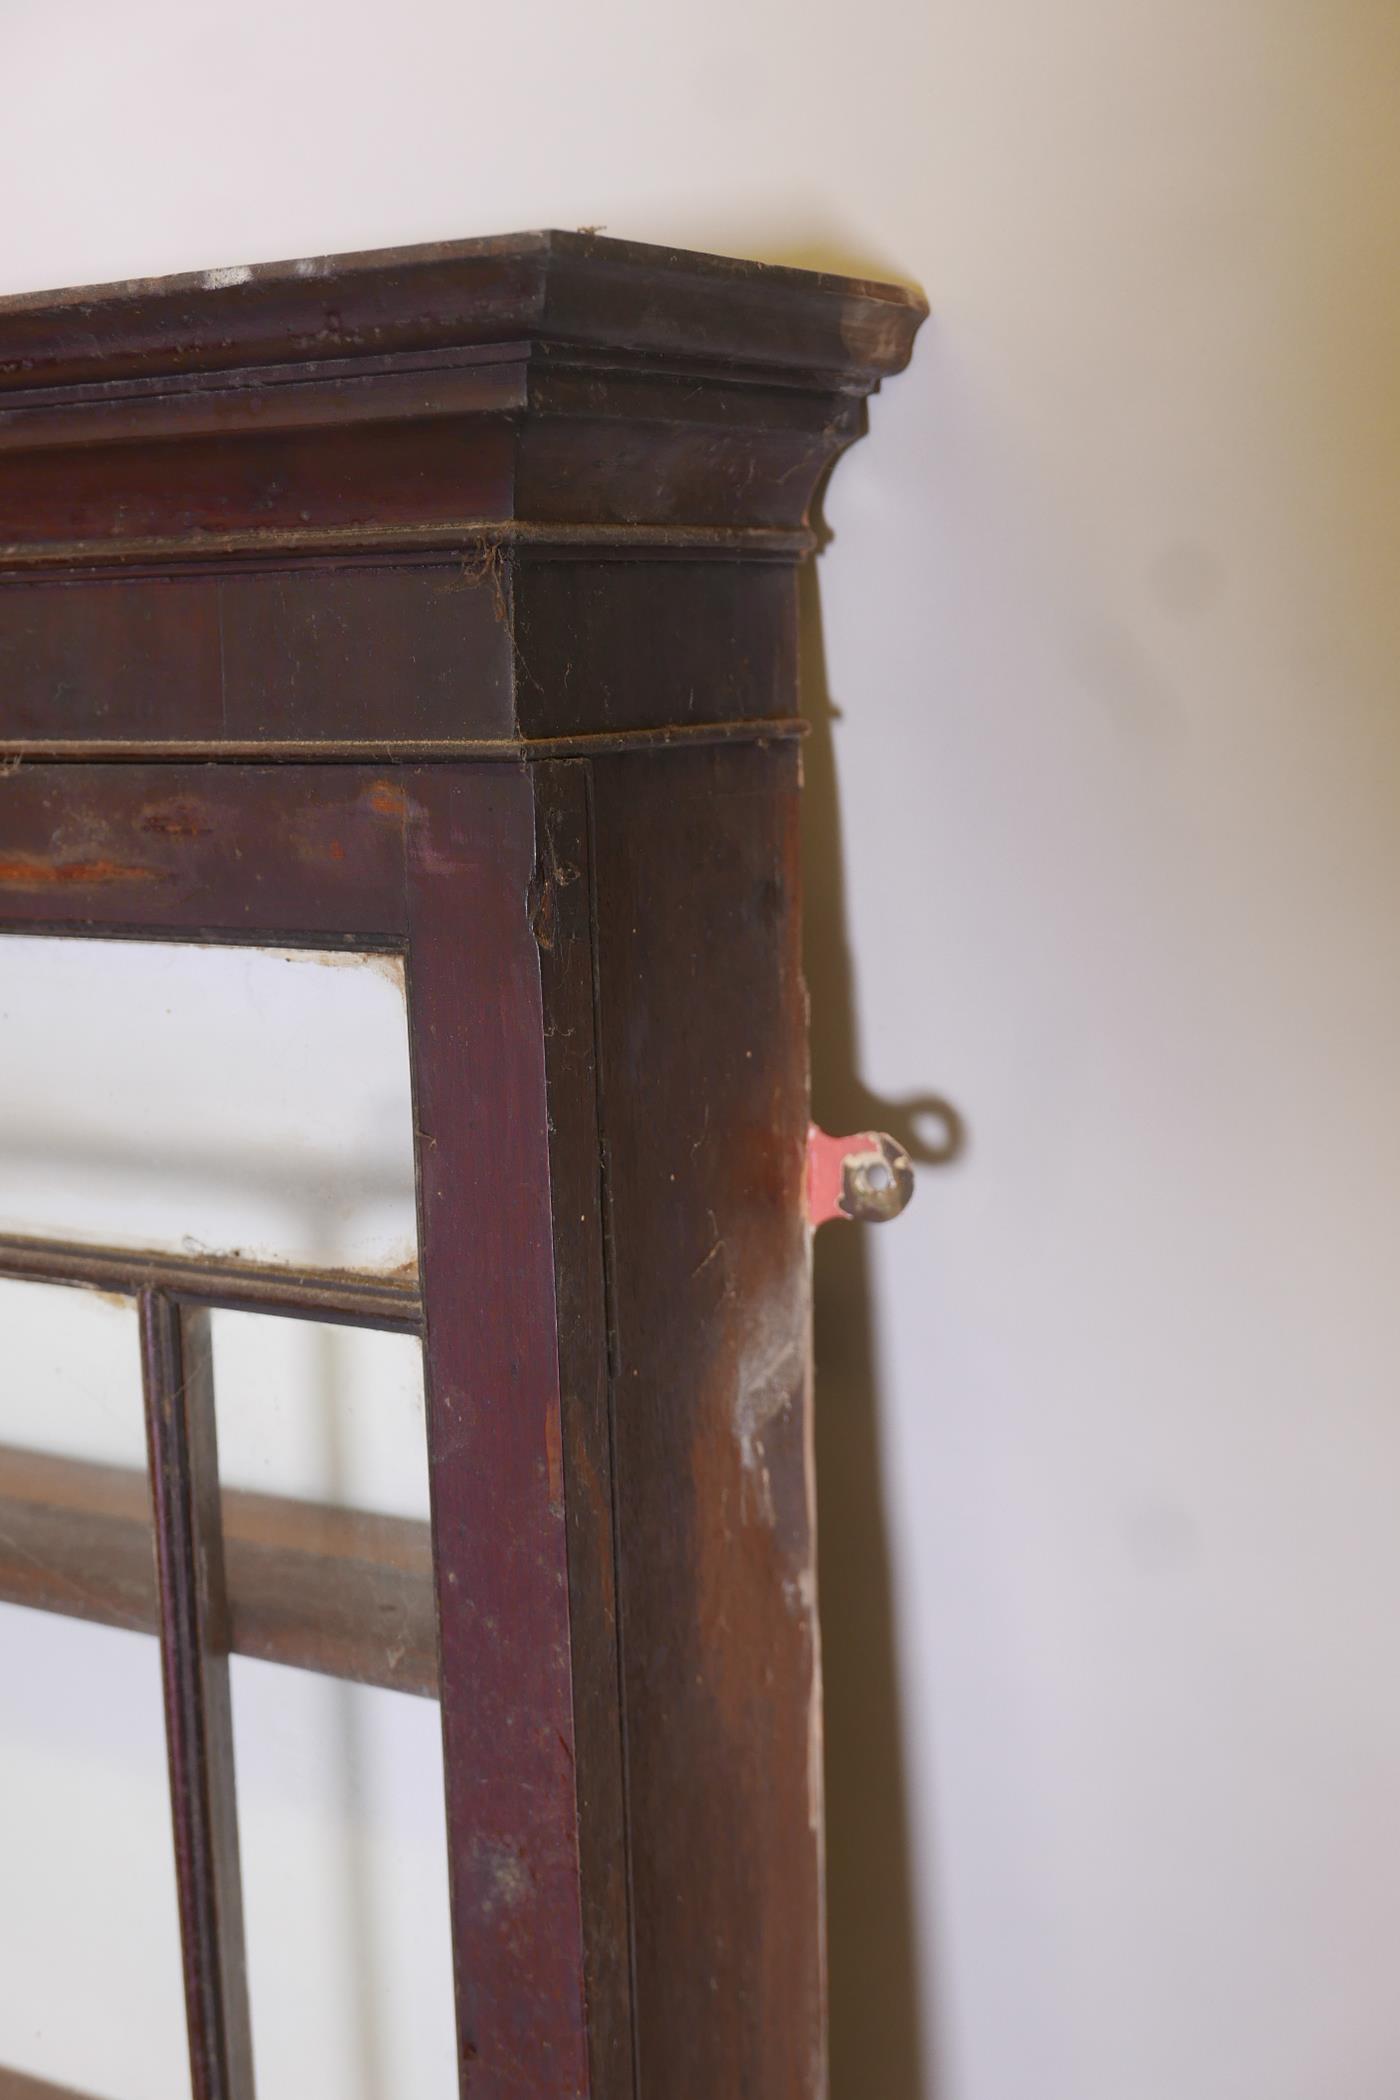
<point x="441" y="605"/>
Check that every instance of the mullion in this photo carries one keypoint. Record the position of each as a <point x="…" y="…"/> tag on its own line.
<point x="177" y="1369"/>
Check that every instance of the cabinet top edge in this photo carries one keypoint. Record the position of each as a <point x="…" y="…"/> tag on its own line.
<point x="545" y="290"/>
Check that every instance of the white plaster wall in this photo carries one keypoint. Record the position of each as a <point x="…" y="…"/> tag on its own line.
<point x="1112" y="1418"/>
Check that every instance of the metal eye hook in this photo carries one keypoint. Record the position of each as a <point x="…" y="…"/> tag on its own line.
<point x="866" y="1178"/>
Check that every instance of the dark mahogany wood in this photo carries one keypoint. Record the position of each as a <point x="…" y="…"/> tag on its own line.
<point x="495" y="1436"/>
<point x="302" y="654"/>
<point x="277" y="854"/>
<point x="416" y="394"/>
<point x="194" y="1643"/>
<point x="563" y="898"/>
<point x="444" y="602"/>
<point x="703" y="1066"/>
<point x="490" y="294"/>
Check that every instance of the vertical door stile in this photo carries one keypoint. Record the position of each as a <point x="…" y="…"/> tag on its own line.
<point x="495" y="1437"/>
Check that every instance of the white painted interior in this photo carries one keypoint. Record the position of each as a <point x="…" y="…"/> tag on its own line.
<point x="1111" y="620"/>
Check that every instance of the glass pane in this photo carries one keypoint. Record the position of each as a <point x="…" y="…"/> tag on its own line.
<point x="324" y="1413"/>
<point x="242" y="1101"/>
<point x="70" y="1374"/>
<point x="340" y="1811"/>
<point x="90" y="1976"/>
<point x="323" y="1462"/>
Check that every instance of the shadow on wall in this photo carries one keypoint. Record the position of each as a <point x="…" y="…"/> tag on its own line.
<point x="877" y="2040"/>
<point x="880" y="2038"/>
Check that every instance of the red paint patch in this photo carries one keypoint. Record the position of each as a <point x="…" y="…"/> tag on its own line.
<point x="866" y="1176"/>
<point x="826" y="1166"/>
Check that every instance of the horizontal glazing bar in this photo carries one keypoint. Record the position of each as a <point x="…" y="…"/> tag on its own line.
<point x="353" y="1300"/>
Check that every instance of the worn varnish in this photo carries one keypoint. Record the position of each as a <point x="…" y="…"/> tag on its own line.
<point x="444" y="601"/>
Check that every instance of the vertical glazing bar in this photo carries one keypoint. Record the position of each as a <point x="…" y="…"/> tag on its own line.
<point x="175" y="1354"/>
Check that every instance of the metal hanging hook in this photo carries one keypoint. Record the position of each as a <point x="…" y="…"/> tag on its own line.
<point x="866" y="1178"/>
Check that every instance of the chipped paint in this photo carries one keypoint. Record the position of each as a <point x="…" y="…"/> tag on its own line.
<point x="387" y="798"/>
<point x="174" y="820"/>
<point x="769" y="1374"/>
<point x="31" y="871"/>
<point x="380" y="962"/>
<point x="503" y="1879"/>
<point x="232" y="273"/>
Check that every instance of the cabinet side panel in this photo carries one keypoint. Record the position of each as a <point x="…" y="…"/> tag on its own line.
<point x="597" y="643"/>
<point x="704" y="1102"/>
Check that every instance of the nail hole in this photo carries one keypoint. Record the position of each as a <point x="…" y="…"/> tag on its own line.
<point x="878" y="1176"/>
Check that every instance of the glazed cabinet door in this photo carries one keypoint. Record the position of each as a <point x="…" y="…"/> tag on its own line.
<point x="284" y="1439"/>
